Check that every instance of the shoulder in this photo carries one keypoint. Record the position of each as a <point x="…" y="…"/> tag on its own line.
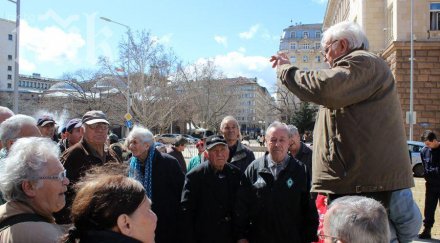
<point x="75" y="150"/>
<point x="36" y="232"/>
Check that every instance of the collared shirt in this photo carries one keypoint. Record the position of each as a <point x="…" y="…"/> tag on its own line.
<point x="275" y="167"/>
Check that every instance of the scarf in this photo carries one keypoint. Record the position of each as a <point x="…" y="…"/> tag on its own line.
<point x="144" y="178"/>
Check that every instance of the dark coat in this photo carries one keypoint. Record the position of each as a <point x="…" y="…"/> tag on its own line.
<point x="179" y="156"/>
<point x="167" y="183"/>
<point x="281" y="210"/>
<point x="431" y="163"/>
<point x="104" y="236"/>
<point x="77" y="160"/>
<point x="208" y="200"/>
<point x="305" y="156"/>
<point x="241" y="156"/>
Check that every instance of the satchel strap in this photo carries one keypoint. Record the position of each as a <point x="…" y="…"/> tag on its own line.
<point x="20" y="218"/>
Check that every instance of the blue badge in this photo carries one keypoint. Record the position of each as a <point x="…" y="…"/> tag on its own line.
<point x="289" y="183"/>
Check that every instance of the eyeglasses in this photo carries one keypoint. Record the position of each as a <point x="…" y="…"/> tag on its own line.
<point x="323" y="237"/>
<point x="61" y="176"/>
<point x="327" y="48"/>
<point x="101" y="126"/>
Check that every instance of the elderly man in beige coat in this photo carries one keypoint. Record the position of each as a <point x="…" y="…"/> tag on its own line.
<point x="360" y="145"/>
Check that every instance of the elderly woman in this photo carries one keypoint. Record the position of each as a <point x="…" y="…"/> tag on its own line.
<point x="33" y="182"/>
<point x="162" y="178"/>
<point x="97" y="214"/>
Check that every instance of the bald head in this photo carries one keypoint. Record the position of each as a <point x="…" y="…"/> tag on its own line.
<point x="5" y="113"/>
<point x="18" y="126"/>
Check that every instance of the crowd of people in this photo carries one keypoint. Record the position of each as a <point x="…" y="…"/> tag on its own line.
<point x="84" y="189"/>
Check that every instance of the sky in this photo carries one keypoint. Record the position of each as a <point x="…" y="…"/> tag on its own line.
<point x="58" y="37"/>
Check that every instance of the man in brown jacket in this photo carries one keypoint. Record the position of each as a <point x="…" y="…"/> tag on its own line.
<point x="90" y="151"/>
<point x="359" y="140"/>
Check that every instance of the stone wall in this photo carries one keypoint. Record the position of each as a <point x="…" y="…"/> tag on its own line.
<point x="426" y="86"/>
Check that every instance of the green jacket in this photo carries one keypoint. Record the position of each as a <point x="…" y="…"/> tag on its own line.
<point x="359" y="137"/>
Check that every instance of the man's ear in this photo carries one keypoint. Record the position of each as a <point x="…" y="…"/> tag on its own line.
<point x="28" y="188"/>
<point x="344" y="45"/>
<point x="124" y="225"/>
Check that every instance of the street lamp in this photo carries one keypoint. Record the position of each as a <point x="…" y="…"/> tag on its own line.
<point x="128" y="63"/>
<point x="17" y="32"/>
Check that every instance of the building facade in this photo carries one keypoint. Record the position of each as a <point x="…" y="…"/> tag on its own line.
<point x="387" y="24"/>
<point x="255" y="106"/>
<point x="302" y="44"/>
<point x="7" y="54"/>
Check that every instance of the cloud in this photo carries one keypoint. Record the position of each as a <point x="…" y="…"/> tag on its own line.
<point x="164" y="40"/>
<point x="50" y="44"/>
<point x="249" y="34"/>
<point x="26" y="65"/>
<point x="320" y="1"/>
<point x="222" y="40"/>
<point x="242" y="49"/>
<point x="235" y="64"/>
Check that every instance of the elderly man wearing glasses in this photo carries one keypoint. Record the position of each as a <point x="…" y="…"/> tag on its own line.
<point x="89" y="151"/>
<point x="33" y="182"/>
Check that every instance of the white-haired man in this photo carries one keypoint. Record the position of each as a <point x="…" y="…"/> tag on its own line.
<point x="33" y="181"/>
<point x="357" y="95"/>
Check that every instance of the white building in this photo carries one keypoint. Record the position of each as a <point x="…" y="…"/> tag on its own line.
<point x="7" y="54"/>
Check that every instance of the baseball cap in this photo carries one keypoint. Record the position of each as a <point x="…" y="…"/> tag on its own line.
<point x="92" y="117"/>
<point x="44" y="120"/>
<point x="73" y="123"/>
<point x="214" y="140"/>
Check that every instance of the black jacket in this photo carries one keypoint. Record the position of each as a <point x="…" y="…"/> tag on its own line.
<point x="167" y="183"/>
<point x="278" y="211"/>
<point x="241" y="156"/>
<point x="208" y="200"/>
<point x="431" y="163"/>
<point x="305" y="156"/>
<point x="104" y="236"/>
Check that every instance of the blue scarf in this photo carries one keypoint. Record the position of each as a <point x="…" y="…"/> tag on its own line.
<point x="144" y="178"/>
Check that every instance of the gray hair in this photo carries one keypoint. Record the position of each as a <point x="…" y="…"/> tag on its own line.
<point x="26" y="160"/>
<point x="293" y="130"/>
<point x="141" y="133"/>
<point x="348" y="30"/>
<point x="358" y="219"/>
<point x="5" y="112"/>
<point x="277" y="124"/>
<point x="229" y="118"/>
<point x="11" y="127"/>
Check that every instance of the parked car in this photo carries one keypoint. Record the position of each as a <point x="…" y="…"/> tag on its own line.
<point x="190" y="138"/>
<point x="415" y="147"/>
<point x="165" y="138"/>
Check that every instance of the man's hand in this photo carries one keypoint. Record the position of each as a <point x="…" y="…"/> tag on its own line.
<point x="279" y="59"/>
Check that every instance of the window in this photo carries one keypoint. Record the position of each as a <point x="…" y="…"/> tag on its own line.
<point x="318" y="58"/>
<point x="305" y="59"/>
<point x="293" y="59"/>
<point x="306" y="46"/>
<point x="292" y="46"/>
<point x="9" y="68"/>
<point x="9" y="86"/>
<point x="318" y="34"/>
<point x="292" y="34"/>
<point x="306" y="34"/>
<point x="317" y="46"/>
<point x="9" y="76"/>
<point x="434" y="10"/>
<point x="10" y="37"/>
<point x="9" y="57"/>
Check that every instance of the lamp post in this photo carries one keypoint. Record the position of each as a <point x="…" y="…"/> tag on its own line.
<point x="411" y="92"/>
<point x="128" y="63"/>
<point x="17" y="57"/>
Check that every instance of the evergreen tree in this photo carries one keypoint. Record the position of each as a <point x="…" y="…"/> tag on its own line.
<point x="304" y="117"/>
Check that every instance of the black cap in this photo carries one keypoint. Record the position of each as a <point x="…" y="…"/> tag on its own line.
<point x="74" y="123"/>
<point x="215" y="140"/>
<point x="44" y="120"/>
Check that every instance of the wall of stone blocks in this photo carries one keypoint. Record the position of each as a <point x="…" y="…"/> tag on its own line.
<point x="426" y="82"/>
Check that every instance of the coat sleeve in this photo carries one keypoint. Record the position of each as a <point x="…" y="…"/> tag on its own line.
<point x="352" y="80"/>
<point x="188" y="206"/>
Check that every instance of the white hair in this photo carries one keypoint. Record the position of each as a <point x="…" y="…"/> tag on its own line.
<point x="229" y="118"/>
<point x="358" y="219"/>
<point x="274" y="125"/>
<point x="5" y="112"/>
<point x="348" y="30"/>
<point x="26" y="160"/>
<point x="11" y="127"/>
<point x="141" y="133"/>
<point x="293" y="130"/>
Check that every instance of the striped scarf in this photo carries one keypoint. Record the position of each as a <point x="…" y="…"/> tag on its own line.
<point x="144" y="178"/>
